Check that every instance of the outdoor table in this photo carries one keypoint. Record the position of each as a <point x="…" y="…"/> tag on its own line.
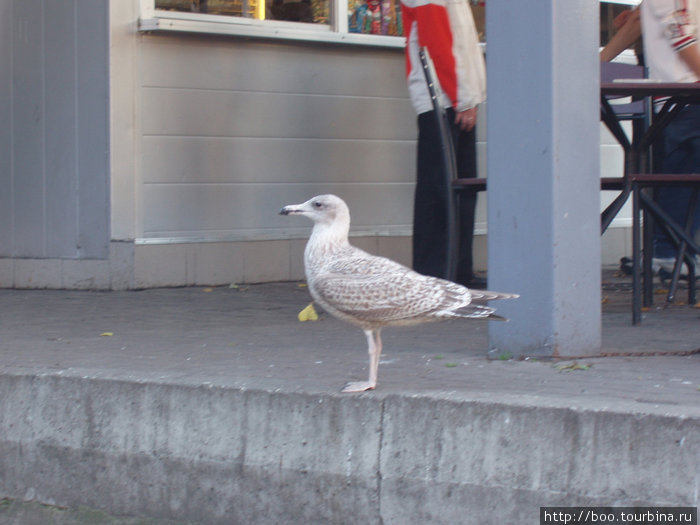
<point x="635" y="178"/>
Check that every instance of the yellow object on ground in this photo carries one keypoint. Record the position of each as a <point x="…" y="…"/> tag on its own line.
<point x="308" y="314"/>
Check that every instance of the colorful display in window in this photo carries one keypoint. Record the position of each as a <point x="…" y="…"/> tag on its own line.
<point x="375" y="17"/>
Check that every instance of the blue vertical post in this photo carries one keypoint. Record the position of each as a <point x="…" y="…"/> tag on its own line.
<point x="543" y="140"/>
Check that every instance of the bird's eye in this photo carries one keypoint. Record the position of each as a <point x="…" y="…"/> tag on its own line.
<point x="317" y="204"/>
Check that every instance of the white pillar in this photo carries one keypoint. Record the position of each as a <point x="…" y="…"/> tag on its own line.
<point x="543" y="140"/>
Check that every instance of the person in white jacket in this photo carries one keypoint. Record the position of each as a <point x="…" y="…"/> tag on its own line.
<point x="671" y="34"/>
<point x="445" y="28"/>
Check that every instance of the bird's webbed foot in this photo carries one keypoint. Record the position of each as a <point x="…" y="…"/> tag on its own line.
<point x="358" y="386"/>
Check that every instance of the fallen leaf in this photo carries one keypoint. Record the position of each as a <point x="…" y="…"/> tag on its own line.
<point x="573" y="366"/>
<point x="308" y="314"/>
<point x="302" y="285"/>
<point x="106" y="334"/>
<point x="208" y="290"/>
<point x="605" y="300"/>
<point x="450" y="365"/>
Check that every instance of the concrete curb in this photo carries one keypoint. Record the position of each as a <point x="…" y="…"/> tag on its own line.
<point x="220" y="455"/>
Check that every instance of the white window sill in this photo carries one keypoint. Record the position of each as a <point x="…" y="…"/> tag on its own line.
<point x="246" y="27"/>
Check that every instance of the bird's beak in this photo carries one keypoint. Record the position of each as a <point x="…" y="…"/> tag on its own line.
<point x="291" y="209"/>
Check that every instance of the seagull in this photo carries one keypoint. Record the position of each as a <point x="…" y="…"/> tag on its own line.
<point x="372" y="292"/>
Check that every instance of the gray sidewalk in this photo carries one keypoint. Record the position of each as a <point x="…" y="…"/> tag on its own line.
<point x="249" y="337"/>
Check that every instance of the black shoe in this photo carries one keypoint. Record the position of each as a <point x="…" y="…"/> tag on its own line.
<point x="626" y="266"/>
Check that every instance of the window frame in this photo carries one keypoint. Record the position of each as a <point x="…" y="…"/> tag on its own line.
<point x="336" y="32"/>
<point x="156" y="20"/>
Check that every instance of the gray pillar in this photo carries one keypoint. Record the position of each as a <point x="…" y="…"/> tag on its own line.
<point x="543" y="170"/>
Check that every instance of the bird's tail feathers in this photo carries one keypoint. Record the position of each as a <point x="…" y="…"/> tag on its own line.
<point x="486" y="295"/>
<point x="475" y="311"/>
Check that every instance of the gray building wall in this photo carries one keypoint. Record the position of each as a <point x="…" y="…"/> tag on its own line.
<point x="54" y="161"/>
<point x="234" y="129"/>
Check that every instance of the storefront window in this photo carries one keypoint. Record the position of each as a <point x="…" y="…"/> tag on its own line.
<point x="309" y="11"/>
<point x="372" y="22"/>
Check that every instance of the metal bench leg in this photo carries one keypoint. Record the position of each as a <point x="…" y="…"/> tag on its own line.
<point x="636" y="263"/>
<point x="694" y="197"/>
<point x="647" y="255"/>
<point x="682" y="255"/>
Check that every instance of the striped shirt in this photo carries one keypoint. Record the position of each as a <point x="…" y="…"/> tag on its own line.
<point x="670" y="26"/>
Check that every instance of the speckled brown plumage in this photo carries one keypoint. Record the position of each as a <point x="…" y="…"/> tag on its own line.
<point x="370" y="291"/>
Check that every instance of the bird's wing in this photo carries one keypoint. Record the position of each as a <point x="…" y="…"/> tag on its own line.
<point x="356" y="262"/>
<point x="395" y="295"/>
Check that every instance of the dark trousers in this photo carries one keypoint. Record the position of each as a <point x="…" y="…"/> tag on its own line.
<point x="681" y="154"/>
<point x="430" y="204"/>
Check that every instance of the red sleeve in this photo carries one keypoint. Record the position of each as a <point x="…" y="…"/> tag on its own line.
<point x="435" y="34"/>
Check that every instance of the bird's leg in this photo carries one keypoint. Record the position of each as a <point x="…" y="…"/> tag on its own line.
<point x="374" y="342"/>
<point x="376" y="338"/>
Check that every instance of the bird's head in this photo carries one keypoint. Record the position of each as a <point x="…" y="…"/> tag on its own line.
<point x="322" y="209"/>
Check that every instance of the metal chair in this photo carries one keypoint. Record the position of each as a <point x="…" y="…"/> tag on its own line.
<point x="639" y="113"/>
<point x="638" y="182"/>
<point x="454" y="185"/>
